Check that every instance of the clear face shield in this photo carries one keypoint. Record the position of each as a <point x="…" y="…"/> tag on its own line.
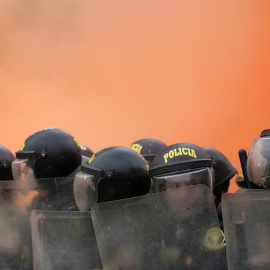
<point x="165" y="182"/>
<point x="84" y="188"/>
<point x="23" y="166"/>
<point x="258" y="163"/>
<point x="178" y="189"/>
<point x="22" y="170"/>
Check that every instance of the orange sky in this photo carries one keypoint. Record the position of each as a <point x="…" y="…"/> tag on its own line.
<point x="112" y="72"/>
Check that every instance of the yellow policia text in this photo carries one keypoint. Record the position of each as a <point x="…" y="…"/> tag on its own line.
<point x="136" y="147"/>
<point x="179" y="152"/>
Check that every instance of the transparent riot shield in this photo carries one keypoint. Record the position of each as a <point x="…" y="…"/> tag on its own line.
<point x="64" y="240"/>
<point x="52" y="194"/>
<point x="176" y="229"/>
<point x="15" y="231"/>
<point x="246" y="217"/>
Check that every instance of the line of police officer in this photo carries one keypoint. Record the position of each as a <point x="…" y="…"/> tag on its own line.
<point x="53" y="172"/>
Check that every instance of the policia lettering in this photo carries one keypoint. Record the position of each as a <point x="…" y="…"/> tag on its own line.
<point x="136" y="147"/>
<point x="179" y="152"/>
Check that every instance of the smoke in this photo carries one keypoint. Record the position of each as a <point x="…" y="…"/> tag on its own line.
<point x="113" y="72"/>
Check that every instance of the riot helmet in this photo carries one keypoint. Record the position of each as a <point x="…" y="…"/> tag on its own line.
<point x="224" y="171"/>
<point x="6" y="158"/>
<point x="148" y="148"/>
<point x="47" y="153"/>
<point x="265" y="133"/>
<point x="111" y="174"/>
<point x="258" y="162"/>
<point x="86" y="153"/>
<point x="182" y="165"/>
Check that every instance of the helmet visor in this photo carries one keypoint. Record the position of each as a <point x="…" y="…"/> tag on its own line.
<point x="85" y="193"/>
<point x="203" y="176"/>
<point x="258" y="163"/>
<point x="22" y="170"/>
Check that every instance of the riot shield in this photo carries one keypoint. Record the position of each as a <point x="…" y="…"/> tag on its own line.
<point x="246" y="218"/>
<point x="51" y="194"/>
<point x="15" y="231"/>
<point x="64" y="240"/>
<point x="176" y="229"/>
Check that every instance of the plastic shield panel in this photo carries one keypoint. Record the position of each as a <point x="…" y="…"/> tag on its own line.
<point x="246" y="217"/>
<point x="64" y="240"/>
<point x="176" y="229"/>
<point x="52" y="194"/>
<point x="15" y="231"/>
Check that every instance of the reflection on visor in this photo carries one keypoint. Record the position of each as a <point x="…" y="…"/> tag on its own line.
<point x="258" y="167"/>
<point x="84" y="191"/>
<point x="21" y="170"/>
<point x="181" y="180"/>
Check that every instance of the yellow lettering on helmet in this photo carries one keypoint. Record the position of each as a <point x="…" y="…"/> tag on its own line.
<point x="91" y="159"/>
<point x="175" y="153"/>
<point x="184" y="150"/>
<point x="136" y="147"/>
<point x="179" y="152"/>
<point x="171" y="154"/>
<point x="166" y="157"/>
<point x="22" y="147"/>
<point x="193" y="154"/>
<point x="76" y="142"/>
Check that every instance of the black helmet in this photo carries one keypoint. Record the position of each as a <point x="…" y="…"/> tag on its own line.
<point x="111" y="174"/>
<point x="265" y="133"/>
<point x="224" y="170"/>
<point x="86" y="153"/>
<point x="47" y="153"/>
<point x="6" y="158"/>
<point x="180" y="165"/>
<point x="148" y="148"/>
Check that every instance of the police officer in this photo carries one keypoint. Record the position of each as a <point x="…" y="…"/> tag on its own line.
<point x="48" y="161"/>
<point x="224" y="171"/>
<point x="254" y="208"/>
<point x="6" y="158"/>
<point x="10" y="222"/>
<point x="148" y="148"/>
<point x="176" y="168"/>
<point x="111" y="174"/>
